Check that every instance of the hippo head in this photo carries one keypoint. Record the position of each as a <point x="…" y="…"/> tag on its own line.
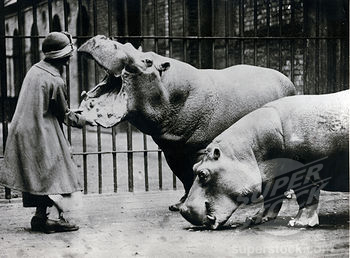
<point x="132" y="84"/>
<point x="221" y="184"/>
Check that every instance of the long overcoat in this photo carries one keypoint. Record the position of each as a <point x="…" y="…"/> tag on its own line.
<point x="37" y="155"/>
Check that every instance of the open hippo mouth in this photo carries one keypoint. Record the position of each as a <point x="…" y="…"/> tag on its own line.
<point x="106" y="104"/>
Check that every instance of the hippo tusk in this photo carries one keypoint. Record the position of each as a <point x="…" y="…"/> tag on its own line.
<point x="83" y="94"/>
<point x="213" y="223"/>
<point x="211" y="218"/>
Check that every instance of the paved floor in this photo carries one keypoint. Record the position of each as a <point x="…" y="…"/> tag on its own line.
<point x="140" y="225"/>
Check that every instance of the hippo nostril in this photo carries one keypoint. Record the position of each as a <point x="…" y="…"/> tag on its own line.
<point x="91" y="104"/>
<point x="148" y="62"/>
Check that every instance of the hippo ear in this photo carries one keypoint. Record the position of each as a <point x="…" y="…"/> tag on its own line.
<point x="216" y="153"/>
<point x="164" y="66"/>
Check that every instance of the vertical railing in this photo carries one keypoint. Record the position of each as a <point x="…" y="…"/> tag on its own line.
<point x="49" y="6"/>
<point x="317" y="49"/>
<point x="170" y="22"/>
<point x="199" y="34"/>
<point x="3" y="84"/>
<point x="255" y="30"/>
<point x="144" y="137"/>
<point x="185" y="29"/>
<point x="267" y="33"/>
<point x="65" y="17"/>
<point x="84" y="140"/>
<point x="227" y="33"/>
<point x="292" y="41"/>
<point x="21" y="60"/>
<point x="280" y="20"/>
<point x="241" y="29"/>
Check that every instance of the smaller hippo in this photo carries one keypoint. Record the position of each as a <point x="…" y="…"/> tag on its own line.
<point x="250" y="159"/>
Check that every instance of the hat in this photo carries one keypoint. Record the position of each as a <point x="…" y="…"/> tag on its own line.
<point x="57" y="45"/>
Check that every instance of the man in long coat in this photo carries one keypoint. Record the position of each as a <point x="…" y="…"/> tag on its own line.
<point x="37" y="156"/>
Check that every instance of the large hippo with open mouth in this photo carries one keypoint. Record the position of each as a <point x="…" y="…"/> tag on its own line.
<point x="181" y="107"/>
<point x="253" y="158"/>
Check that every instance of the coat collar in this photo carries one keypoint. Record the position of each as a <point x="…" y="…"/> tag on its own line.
<point x="48" y="67"/>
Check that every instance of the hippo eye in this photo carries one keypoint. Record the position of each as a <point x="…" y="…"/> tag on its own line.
<point x="203" y="175"/>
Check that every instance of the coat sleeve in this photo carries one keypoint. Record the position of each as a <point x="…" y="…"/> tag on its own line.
<point x="59" y="107"/>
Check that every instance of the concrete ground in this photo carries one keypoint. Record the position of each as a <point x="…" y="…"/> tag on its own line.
<point x="140" y="225"/>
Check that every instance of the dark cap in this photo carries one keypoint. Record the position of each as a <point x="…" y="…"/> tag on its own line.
<point x="57" y="45"/>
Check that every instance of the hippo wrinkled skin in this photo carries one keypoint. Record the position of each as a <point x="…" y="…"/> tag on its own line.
<point x="253" y="159"/>
<point x="181" y="107"/>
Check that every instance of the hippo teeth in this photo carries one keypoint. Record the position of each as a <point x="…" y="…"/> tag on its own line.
<point x="211" y="218"/>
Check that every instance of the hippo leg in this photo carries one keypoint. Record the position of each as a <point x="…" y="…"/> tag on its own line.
<point x="273" y="199"/>
<point x="268" y="212"/>
<point x="187" y="180"/>
<point x="182" y="168"/>
<point x="307" y="215"/>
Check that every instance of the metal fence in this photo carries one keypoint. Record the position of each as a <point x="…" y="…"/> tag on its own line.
<point x="305" y="39"/>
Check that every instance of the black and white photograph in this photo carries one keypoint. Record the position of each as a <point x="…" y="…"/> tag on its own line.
<point x="174" y="128"/>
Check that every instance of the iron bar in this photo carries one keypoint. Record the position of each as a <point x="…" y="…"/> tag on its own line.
<point x="21" y="59"/>
<point x="280" y="20"/>
<point x="99" y="156"/>
<point x="114" y="157"/>
<point x="267" y="32"/>
<point x="65" y="8"/>
<point x="184" y="28"/>
<point x="145" y="164"/>
<point x="292" y="42"/>
<point x="155" y="17"/>
<point x="255" y="29"/>
<point x="126" y="19"/>
<point x="130" y="159"/>
<point x="3" y="84"/>
<point x="160" y="170"/>
<point x="99" y="159"/>
<point x="241" y="29"/>
<point x="84" y="153"/>
<point x="49" y="6"/>
<point x="317" y="49"/>
<point x="170" y="17"/>
<point x="199" y="34"/>
<point x="170" y="26"/>
<point x="212" y="33"/>
<point x="227" y="31"/>
<point x="109" y="17"/>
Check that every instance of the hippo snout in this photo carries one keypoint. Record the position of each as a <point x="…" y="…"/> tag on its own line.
<point x="192" y="215"/>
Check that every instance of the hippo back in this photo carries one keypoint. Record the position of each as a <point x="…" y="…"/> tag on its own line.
<point x="316" y="127"/>
<point x="218" y="98"/>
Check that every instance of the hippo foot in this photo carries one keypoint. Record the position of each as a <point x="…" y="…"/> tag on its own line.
<point x="256" y="220"/>
<point x="176" y="206"/>
<point x="306" y="217"/>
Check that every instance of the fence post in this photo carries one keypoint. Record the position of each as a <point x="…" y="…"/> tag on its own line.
<point x="3" y="84"/>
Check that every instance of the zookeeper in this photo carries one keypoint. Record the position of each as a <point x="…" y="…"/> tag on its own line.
<point x="37" y="156"/>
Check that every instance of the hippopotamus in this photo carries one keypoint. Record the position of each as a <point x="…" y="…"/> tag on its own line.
<point x="183" y="108"/>
<point x="245" y="162"/>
